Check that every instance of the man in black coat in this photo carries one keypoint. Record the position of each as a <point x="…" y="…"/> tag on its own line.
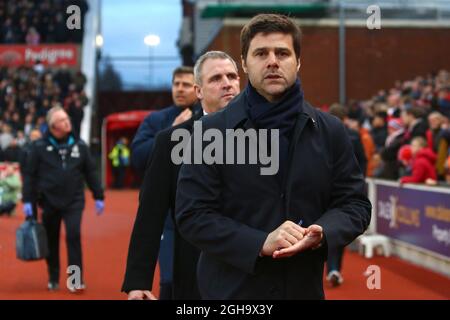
<point x="334" y="262"/>
<point x="54" y="175"/>
<point x="184" y="97"/>
<point x="415" y="124"/>
<point x="216" y="83"/>
<point x="264" y="234"/>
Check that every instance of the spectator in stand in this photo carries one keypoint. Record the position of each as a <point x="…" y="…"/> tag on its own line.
<point x="9" y="32"/>
<point x="415" y="126"/>
<point x="10" y="187"/>
<point x="25" y="97"/>
<point x="21" y="139"/>
<point x="39" y="67"/>
<point x="367" y="143"/>
<point x="74" y="104"/>
<point x="47" y="17"/>
<point x="25" y="153"/>
<point x="390" y="168"/>
<point x="28" y="126"/>
<point x="443" y="101"/>
<point x="443" y="152"/>
<point x="61" y="34"/>
<point x="79" y="81"/>
<point x="5" y="136"/>
<point x="393" y="102"/>
<point x="422" y="164"/>
<point x="405" y="159"/>
<point x="434" y="133"/>
<point x="12" y="152"/>
<point x="33" y="37"/>
<point x="355" y="111"/>
<point x="23" y="29"/>
<point x="41" y="124"/>
<point x="15" y="122"/>
<point x="446" y="181"/>
<point x="379" y="129"/>
<point x="64" y="78"/>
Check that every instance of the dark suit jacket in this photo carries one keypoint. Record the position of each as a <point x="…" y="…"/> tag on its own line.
<point x="142" y="145"/>
<point x="418" y="130"/>
<point x="228" y="210"/>
<point x="358" y="149"/>
<point x="156" y="199"/>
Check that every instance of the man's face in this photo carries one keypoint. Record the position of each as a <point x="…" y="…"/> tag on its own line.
<point x="378" y="122"/>
<point x="406" y="118"/>
<point x="183" y="93"/>
<point x="393" y="100"/>
<point x="35" y="134"/>
<point x="434" y="122"/>
<point x="220" y="84"/>
<point x="415" y="147"/>
<point x="60" y="124"/>
<point x="271" y="64"/>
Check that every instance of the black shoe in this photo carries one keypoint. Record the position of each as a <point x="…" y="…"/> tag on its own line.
<point x="52" y="286"/>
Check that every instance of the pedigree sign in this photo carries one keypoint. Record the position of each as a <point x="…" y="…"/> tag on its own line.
<point x="49" y="55"/>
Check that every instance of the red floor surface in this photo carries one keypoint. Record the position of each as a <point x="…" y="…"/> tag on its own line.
<point x="105" y="243"/>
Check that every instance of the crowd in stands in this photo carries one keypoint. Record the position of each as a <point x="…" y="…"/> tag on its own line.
<point x="26" y="94"/>
<point x="405" y="131"/>
<point x="36" y="22"/>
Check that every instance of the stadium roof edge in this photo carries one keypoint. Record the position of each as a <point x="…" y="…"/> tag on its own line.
<point x="222" y="10"/>
<point x="385" y="23"/>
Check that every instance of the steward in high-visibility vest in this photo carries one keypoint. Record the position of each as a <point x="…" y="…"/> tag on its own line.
<point x="120" y="154"/>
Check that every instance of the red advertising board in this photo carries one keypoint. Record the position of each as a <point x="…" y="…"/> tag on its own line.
<point x="49" y="55"/>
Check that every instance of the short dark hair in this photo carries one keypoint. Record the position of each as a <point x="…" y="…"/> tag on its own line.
<point x="381" y="114"/>
<point x="338" y="110"/>
<point x="269" y="23"/>
<point x="182" y="70"/>
<point x="416" y="112"/>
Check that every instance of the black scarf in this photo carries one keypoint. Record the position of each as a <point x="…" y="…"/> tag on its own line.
<point x="280" y="115"/>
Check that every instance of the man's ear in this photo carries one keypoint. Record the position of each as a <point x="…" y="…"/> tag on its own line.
<point x="298" y="64"/>
<point x="244" y="66"/>
<point x="198" y="91"/>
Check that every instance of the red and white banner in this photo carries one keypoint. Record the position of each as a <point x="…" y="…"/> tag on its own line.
<point x="49" y="55"/>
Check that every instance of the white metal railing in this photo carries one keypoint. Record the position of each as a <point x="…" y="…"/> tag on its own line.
<point x="89" y="63"/>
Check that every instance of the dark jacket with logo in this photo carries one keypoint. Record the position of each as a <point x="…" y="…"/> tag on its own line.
<point x="228" y="210"/>
<point x="58" y="172"/>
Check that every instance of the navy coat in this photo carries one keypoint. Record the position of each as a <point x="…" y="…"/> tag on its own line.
<point x="142" y="145"/>
<point x="227" y="211"/>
